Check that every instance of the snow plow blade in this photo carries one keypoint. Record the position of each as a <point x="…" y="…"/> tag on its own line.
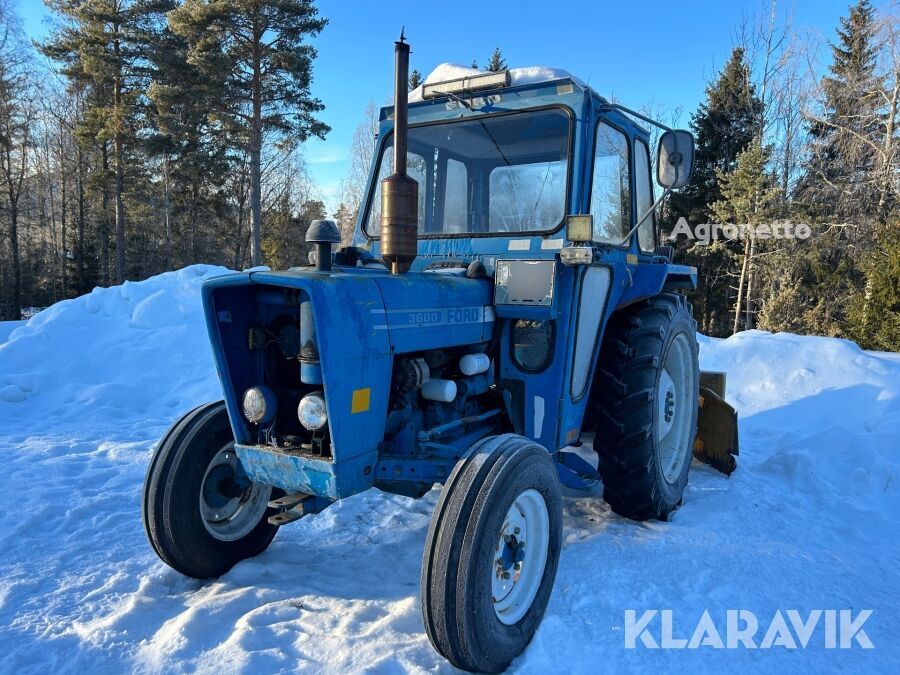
<point x="717" y="431"/>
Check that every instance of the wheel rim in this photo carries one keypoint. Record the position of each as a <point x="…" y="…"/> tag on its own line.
<point x="231" y="505"/>
<point x="520" y="556"/>
<point x="674" y="401"/>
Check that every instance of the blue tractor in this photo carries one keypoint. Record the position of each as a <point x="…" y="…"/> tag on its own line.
<point x="504" y="293"/>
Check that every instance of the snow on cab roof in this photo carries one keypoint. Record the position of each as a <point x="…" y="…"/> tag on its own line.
<point x="517" y="76"/>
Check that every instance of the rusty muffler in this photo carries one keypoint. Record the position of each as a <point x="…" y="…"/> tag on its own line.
<point x="399" y="192"/>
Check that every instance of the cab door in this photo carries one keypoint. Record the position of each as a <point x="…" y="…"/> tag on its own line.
<point x="610" y="203"/>
<point x="644" y="197"/>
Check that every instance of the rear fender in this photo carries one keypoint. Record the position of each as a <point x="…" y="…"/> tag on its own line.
<point x="649" y="279"/>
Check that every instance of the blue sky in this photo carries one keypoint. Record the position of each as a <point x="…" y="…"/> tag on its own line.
<point x="660" y="51"/>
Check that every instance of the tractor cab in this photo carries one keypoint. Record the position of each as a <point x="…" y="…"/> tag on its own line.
<point x="546" y="189"/>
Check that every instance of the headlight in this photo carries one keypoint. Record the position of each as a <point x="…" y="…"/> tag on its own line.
<point x="311" y="411"/>
<point x="258" y="405"/>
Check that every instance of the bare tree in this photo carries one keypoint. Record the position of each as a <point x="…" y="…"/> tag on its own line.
<point x="362" y="151"/>
<point x="765" y="39"/>
<point x="889" y="64"/>
<point x="16" y="116"/>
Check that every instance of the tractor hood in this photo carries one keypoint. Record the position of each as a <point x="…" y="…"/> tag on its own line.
<point x="363" y="319"/>
<point x="415" y="311"/>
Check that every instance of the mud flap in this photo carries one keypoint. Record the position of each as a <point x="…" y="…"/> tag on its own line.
<point x="717" y="430"/>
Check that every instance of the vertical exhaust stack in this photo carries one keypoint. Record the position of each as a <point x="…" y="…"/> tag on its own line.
<point x="399" y="192"/>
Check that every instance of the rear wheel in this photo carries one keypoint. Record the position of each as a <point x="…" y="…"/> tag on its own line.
<point x="202" y="513"/>
<point x="645" y="400"/>
<point x="491" y="553"/>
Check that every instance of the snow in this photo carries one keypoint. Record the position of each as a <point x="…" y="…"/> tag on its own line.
<point x="517" y="76"/>
<point x="7" y="327"/>
<point x="808" y="521"/>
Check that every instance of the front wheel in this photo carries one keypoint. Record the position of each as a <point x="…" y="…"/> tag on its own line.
<point x="202" y="513"/>
<point x="491" y="553"/>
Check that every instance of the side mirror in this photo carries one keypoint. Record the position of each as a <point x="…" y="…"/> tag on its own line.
<point x="674" y="159"/>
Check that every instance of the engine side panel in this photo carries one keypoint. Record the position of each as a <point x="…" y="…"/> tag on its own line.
<point x="430" y="310"/>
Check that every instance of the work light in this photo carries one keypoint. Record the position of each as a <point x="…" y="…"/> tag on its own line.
<point x="311" y="411"/>
<point x="258" y="405"/>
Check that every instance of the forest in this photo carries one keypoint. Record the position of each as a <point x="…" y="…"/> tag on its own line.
<point x="144" y="135"/>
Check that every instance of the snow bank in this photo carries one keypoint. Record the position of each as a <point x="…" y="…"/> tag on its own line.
<point x="808" y="521"/>
<point x="114" y="355"/>
<point x="517" y="76"/>
<point x="829" y="411"/>
<point x="7" y="327"/>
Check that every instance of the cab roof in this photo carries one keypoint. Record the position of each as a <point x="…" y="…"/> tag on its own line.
<point x="518" y="77"/>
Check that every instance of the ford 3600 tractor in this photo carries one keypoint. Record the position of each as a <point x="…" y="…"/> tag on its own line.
<point x="504" y="294"/>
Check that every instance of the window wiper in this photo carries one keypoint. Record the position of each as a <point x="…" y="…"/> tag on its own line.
<point x="496" y="144"/>
<point x="465" y="104"/>
<point x="468" y="106"/>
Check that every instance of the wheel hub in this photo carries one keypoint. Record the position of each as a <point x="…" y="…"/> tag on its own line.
<point x="675" y="401"/>
<point x="222" y="486"/>
<point x="511" y="547"/>
<point x="231" y="505"/>
<point x="520" y="556"/>
<point x="667" y="399"/>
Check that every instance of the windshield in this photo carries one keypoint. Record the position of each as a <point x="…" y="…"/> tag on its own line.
<point x="485" y="175"/>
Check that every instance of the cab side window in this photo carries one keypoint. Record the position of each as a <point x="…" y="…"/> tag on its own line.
<point x="643" y="192"/>
<point x="610" y="186"/>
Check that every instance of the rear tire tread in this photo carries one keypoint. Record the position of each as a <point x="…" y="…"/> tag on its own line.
<point x="632" y="354"/>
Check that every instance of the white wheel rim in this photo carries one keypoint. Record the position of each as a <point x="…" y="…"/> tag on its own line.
<point x="520" y="557"/>
<point x="674" y="400"/>
<point x="230" y="511"/>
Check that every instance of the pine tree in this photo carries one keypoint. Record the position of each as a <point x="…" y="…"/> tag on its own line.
<point x="810" y="284"/>
<point x="102" y="44"/>
<point x="285" y="242"/>
<point x="723" y="126"/>
<point x="191" y="150"/>
<point x="875" y="314"/>
<point x="474" y="65"/>
<point x="840" y="178"/>
<point x="496" y="63"/>
<point x="259" y="64"/>
<point x="713" y="301"/>
<point x="828" y="283"/>
<point x="747" y="196"/>
<point x="415" y="79"/>
<point x="747" y="190"/>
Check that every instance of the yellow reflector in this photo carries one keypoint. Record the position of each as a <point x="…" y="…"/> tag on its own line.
<point x="360" y="401"/>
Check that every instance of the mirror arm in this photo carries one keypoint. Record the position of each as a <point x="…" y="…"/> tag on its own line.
<point x="634" y="113"/>
<point x="649" y="212"/>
